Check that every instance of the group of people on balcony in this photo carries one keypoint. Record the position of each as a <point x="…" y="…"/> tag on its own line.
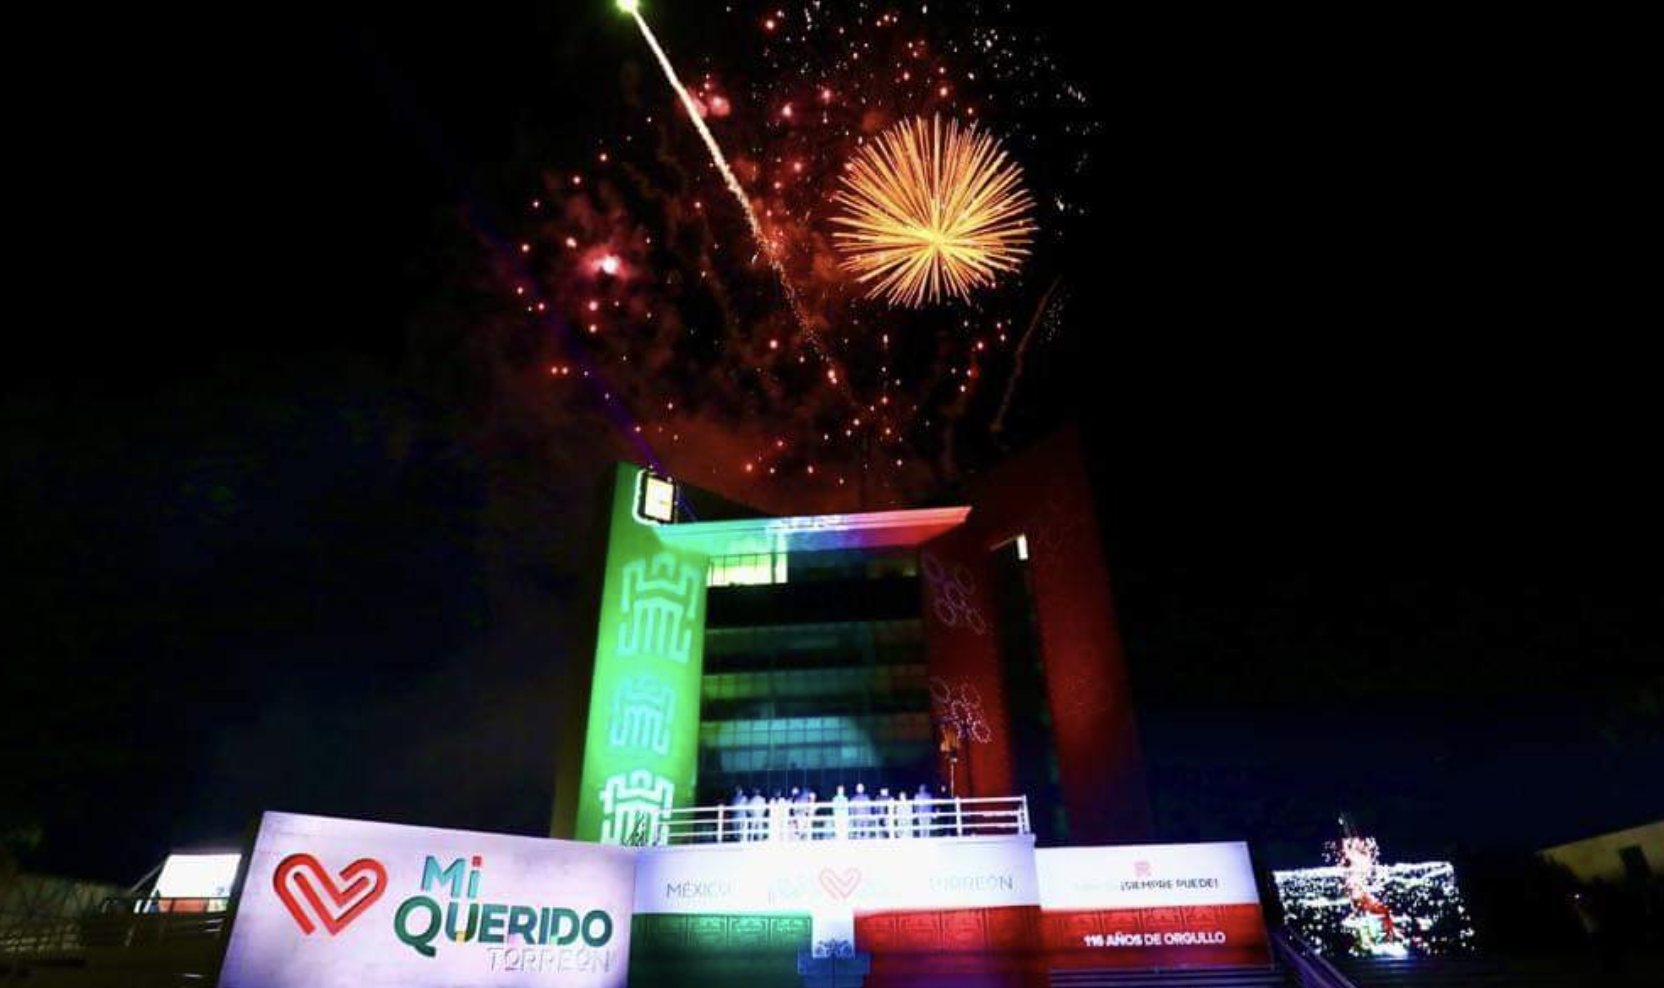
<point x="803" y="815"/>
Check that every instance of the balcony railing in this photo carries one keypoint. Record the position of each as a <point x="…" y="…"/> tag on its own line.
<point x="878" y="819"/>
<point x="118" y="924"/>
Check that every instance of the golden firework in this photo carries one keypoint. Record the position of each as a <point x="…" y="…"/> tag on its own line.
<point x="932" y="210"/>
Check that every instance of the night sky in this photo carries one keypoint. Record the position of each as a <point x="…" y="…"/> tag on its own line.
<point x="1354" y="366"/>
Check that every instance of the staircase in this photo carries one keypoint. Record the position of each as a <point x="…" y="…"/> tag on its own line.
<point x="1495" y="972"/>
<point x="1196" y="977"/>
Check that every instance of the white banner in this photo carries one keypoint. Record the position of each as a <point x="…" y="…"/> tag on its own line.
<point x="1145" y="876"/>
<point x="350" y="904"/>
<point x="837" y="876"/>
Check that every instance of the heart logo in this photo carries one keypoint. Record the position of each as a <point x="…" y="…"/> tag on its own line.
<point x="840" y="886"/>
<point x="362" y="883"/>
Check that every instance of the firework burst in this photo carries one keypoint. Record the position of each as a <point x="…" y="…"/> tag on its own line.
<point x="648" y="313"/>
<point x="932" y="210"/>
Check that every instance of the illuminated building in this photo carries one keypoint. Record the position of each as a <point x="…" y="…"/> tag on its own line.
<point x="736" y="649"/>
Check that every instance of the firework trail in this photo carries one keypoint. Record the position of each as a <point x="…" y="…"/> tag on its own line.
<point x="633" y="8"/>
<point x="997" y="427"/>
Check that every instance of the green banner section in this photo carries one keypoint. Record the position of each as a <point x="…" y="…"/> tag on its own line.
<point x="641" y="748"/>
<point x="753" y="950"/>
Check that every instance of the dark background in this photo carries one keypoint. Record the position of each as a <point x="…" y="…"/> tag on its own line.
<point x="1356" y="355"/>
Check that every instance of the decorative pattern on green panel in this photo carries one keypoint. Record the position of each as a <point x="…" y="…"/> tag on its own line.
<point x="727" y="949"/>
<point x="642" y="743"/>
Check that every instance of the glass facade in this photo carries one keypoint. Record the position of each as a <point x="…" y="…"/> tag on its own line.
<point x="815" y="682"/>
<point x="751" y="569"/>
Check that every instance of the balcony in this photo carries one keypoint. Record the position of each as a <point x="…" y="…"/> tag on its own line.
<point x="829" y="820"/>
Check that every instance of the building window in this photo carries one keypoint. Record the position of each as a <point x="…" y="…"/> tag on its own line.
<point x="655" y="498"/>
<point x="752" y="569"/>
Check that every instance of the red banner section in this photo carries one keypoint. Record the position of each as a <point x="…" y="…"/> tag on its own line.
<point x="1184" y="936"/>
<point x="1010" y="946"/>
<point x="987" y="948"/>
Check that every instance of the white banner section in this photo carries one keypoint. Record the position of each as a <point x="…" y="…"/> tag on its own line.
<point x="350" y="904"/>
<point x="817" y="876"/>
<point x="1145" y="876"/>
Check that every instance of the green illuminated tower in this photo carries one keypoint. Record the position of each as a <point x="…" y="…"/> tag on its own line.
<point x="640" y="726"/>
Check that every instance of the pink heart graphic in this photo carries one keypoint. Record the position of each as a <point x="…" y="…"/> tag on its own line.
<point x="840" y="886"/>
<point x="363" y="883"/>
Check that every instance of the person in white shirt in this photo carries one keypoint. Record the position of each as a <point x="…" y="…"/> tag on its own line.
<point x="901" y="816"/>
<point x="811" y="818"/>
<point x="840" y="815"/>
<point x="794" y="813"/>
<point x="778" y="811"/>
<point x="731" y="826"/>
<point x="860" y="812"/>
<point x="881" y="814"/>
<point x="756" y="826"/>
<point x="923" y="811"/>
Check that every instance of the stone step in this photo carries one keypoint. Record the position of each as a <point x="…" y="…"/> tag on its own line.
<point x="1211" y="977"/>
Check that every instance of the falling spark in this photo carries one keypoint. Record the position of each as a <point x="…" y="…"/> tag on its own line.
<point x="997" y="426"/>
<point x="933" y="210"/>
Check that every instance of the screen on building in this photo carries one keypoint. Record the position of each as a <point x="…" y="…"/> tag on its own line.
<point x="1361" y="907"/>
